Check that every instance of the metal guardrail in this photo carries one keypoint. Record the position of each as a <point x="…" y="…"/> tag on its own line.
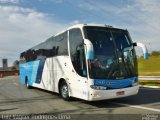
<point x="149" y="77"/>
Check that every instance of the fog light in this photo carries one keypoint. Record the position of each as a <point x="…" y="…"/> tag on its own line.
<point x="95" y="95"/>
<point x="98" y="87"/>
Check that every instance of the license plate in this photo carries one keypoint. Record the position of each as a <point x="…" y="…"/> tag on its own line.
<point x="120" y="93"/>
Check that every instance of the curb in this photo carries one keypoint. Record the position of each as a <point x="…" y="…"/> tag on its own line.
<point x="145" y="86"/>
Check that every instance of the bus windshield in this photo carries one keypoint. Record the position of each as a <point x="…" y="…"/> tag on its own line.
<point x="114" y="54"/>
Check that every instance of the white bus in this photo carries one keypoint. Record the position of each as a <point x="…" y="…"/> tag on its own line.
<point x="90" y="62"/>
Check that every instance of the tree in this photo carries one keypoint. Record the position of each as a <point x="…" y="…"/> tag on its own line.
<point x="155" y="53"/>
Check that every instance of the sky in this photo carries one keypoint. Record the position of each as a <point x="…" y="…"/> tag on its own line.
<point x="25" y="23"/>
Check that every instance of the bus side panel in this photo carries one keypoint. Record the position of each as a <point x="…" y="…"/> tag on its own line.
<point x="23" y="72"/>
<point x="62" y="68"/>
<point x="39" y="71"/>
<point x="34" y="71"/>
<point x="48" y="73"/>
<point x="78" y="86"/>
<point x="29" y="70"/>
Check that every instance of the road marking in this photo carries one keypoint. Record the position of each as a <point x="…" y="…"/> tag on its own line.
<point x="157" y="103"/>
<point x="146" y="86"/>
<point x="135" y="106"/>
<point x="149" y="87"/>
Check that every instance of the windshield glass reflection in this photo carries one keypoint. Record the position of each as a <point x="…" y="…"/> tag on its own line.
<point x="114" y="55"/>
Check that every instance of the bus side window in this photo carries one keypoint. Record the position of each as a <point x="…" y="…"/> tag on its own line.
<point x="53" y="51"/>
<point x="81" y="63"/>
<point x="76" y="51"/>
<point x="61" y="43"/>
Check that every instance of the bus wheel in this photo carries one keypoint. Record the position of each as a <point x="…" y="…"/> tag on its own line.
<point x="64" y="92"/>
<point x="27" y="84"/>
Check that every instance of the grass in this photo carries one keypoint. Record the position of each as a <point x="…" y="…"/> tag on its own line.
<point x="150" y="67"/>
<point x="149" y="83"/>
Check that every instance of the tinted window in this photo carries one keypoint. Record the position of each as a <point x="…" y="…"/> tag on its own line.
<point x="114" y="55"/>
<point x="75" y="38"/>
<point x="62" y="44"/>
<point x="77" y="51"/>
<point x="53" y="46"/>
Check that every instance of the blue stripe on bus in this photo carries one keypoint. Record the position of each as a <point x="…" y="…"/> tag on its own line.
<point x="29" y="70"/>
<point x="40" y="70"/>
<point x="22" y="73"/>
<point x="115" y="84"/>
<point x="34" y="71"/>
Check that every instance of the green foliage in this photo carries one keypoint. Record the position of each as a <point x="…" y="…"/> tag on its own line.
<point x="150" y="66"/>
<point x="155" y="53"/>
<point x="150" y="83"/>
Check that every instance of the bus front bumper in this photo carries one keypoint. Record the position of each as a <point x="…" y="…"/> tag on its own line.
<point x="114" y="93"/>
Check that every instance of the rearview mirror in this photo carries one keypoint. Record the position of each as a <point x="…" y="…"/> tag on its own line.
<point x="89" y="49"/>
<point x="144" y="48"/>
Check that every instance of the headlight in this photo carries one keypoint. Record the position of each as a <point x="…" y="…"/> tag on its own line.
<point x="98" y="87"/>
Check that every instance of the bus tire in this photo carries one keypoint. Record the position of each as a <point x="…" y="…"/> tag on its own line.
<point x="64" y="92"/>
<point x="27" y="84"/>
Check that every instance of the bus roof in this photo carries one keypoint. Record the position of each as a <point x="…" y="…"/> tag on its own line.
<point x="79" y="26"/>
<point x="94" y="25"/>
<point x="82" y="25"/>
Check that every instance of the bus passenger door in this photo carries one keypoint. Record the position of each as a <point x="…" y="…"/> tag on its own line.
<point x="79" y="85"/>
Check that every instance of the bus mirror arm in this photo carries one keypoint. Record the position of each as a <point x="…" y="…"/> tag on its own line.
<point x="144" y="48"/>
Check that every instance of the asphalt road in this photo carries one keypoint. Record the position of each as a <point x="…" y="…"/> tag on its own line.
<point x="17" y="99"/>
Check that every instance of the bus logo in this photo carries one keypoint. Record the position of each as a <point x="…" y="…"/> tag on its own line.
<point x="110" y="83"/>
